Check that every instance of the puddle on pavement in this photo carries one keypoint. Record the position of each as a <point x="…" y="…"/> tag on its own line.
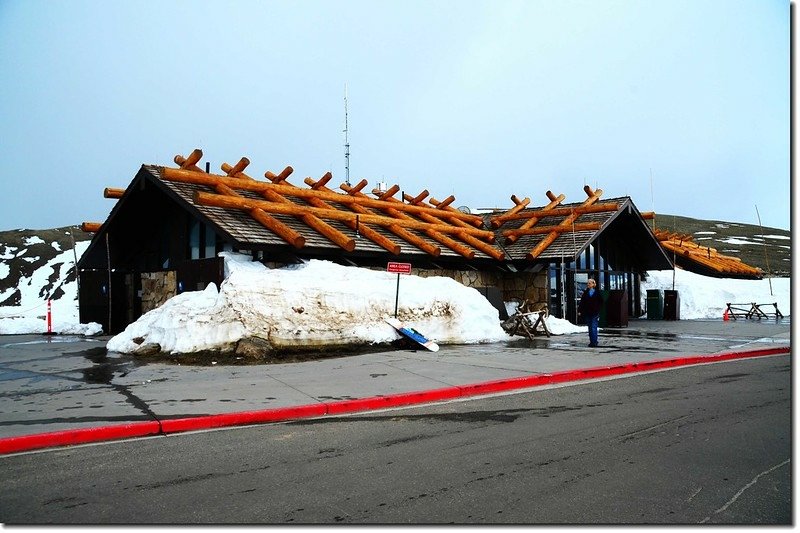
<point x="104" y="367"/>
<point x="639" y="334"/>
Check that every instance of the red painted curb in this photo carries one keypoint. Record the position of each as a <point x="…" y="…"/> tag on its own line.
<point x="394" y="400"/>
<point x="243" y="418"/>
<point x="177" y="425"/>
<point x="78" y="436"/>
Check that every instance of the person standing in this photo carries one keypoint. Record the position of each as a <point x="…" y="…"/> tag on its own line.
<point x="589" y="307"/>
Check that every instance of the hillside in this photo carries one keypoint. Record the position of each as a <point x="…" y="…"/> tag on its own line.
<point x="39" y="263"/>
<point x="768" y="249"/>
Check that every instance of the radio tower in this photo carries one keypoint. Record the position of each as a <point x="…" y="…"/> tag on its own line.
<point x="346" y="142"/>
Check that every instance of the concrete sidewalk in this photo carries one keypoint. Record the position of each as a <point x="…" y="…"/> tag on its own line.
<point x="53" y="384"/>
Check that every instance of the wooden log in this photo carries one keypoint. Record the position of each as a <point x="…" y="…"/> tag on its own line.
<point x="278" y="228"/>
<point x="361" y="229"/>
<point x="498" y="221"/>
<point x="404" y="234"/>
<point x="187" y="176"/>
<point x="585" y="226"/>
<point x="449" y="200"/>
<point x="322" y="182"/>
<point x="565" y="211"/>
<point x="418" y="199"/>
<point x="445" y="206"/>
<point x="457" y="247"/>
<point x="111" y="192"/>
<point x="191" y="161"/>
<point x="274" y="225"/>
<point x="718" y="262"/>
<point x="312" y="221"/>
<point x="594" y="196"/>
<point x="478" y="244"/>
<point x="91" y="227"/>
<point x="358" y="187"/>
<point x="549" y="208"/>
<point x="388" y="193"/>
<point x="431" y="229"/>
<point x="238" y="169"/>
<point x="278" y="178"/>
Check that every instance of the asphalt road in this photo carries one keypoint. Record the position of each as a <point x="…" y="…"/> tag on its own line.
<point x="703" y="444"/>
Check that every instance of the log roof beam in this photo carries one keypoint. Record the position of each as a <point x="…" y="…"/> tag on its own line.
<point x="259" y="215"/>
<point x="585" y="226"/>
<point x="360" y="229"/>
<point x="593" y="197"/>
<point x="427" y="228"/>
<point x="404" y="234"/>
<point x="478" y="244"/>
<point x="244" y="203"/>
<point x="312" y="221"/>
<point x="532" y="221"/>
<point x="454" y="245"/>
<point x="91" y="227"/>
<point x="704" y="256"/>
<point x="210" y="180"/>
<point x="111" y="192"/>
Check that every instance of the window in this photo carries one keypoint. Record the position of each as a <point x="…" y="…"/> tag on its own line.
<point x="194" y="239"/>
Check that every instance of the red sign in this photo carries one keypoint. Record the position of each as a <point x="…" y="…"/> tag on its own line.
<point x="399" y="268"/>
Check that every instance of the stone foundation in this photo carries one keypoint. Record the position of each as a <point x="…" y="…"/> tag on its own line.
<point x="157" y="288"/>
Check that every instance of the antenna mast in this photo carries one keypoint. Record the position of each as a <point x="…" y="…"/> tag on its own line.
<point x="346" y="142"/>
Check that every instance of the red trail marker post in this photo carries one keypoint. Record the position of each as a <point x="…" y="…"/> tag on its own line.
<point x="398" y="268"/>
<point x="49" y="318"/>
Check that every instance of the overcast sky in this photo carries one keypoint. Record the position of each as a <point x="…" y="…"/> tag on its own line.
<point x="479" y="99"/>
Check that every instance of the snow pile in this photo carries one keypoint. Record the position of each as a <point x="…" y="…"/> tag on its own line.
<point x="188" y="322"/>
<point x="315" y="303"/>
<point x="560" y="326"/>
<point x="706" y="297"/>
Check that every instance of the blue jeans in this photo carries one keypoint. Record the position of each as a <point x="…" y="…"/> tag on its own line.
<point x="592" y="321"/>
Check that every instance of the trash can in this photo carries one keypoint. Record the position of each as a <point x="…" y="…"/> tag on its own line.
<point x="617" y="309"/>
<point x="655" y="304"/>
<point x="602" y="321"/>
<point x="672" y="305"/>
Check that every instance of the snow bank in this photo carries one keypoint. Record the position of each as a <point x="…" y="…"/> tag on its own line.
<point x="315" y="303"/>
<point x="706" y="297"/>
<point x="188" y="322"/>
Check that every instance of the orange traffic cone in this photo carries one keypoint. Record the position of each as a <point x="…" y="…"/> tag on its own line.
<point x="725" y="316"/>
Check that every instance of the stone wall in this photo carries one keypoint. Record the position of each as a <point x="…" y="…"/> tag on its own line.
<point x="525" y="286"/>
<point x="470" y="278"/>
<point x="157" y="288"/>
<point x="515" y="286"/>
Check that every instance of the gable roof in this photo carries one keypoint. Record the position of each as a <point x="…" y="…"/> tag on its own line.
<point x="261" y="215"/>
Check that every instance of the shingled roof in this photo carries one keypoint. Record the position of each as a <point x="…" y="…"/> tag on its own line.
<point x="258" y="214"/>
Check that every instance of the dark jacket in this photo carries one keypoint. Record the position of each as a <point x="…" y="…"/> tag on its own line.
<point x="590" y="305"/>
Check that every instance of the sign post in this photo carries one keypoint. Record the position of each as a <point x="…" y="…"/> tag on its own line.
<point x="399" y="268"/>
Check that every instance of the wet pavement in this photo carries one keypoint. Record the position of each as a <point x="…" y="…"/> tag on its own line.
<point x="54" y="383"/>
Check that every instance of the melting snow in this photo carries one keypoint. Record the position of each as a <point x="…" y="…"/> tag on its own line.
<point x="28" y="241"/>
